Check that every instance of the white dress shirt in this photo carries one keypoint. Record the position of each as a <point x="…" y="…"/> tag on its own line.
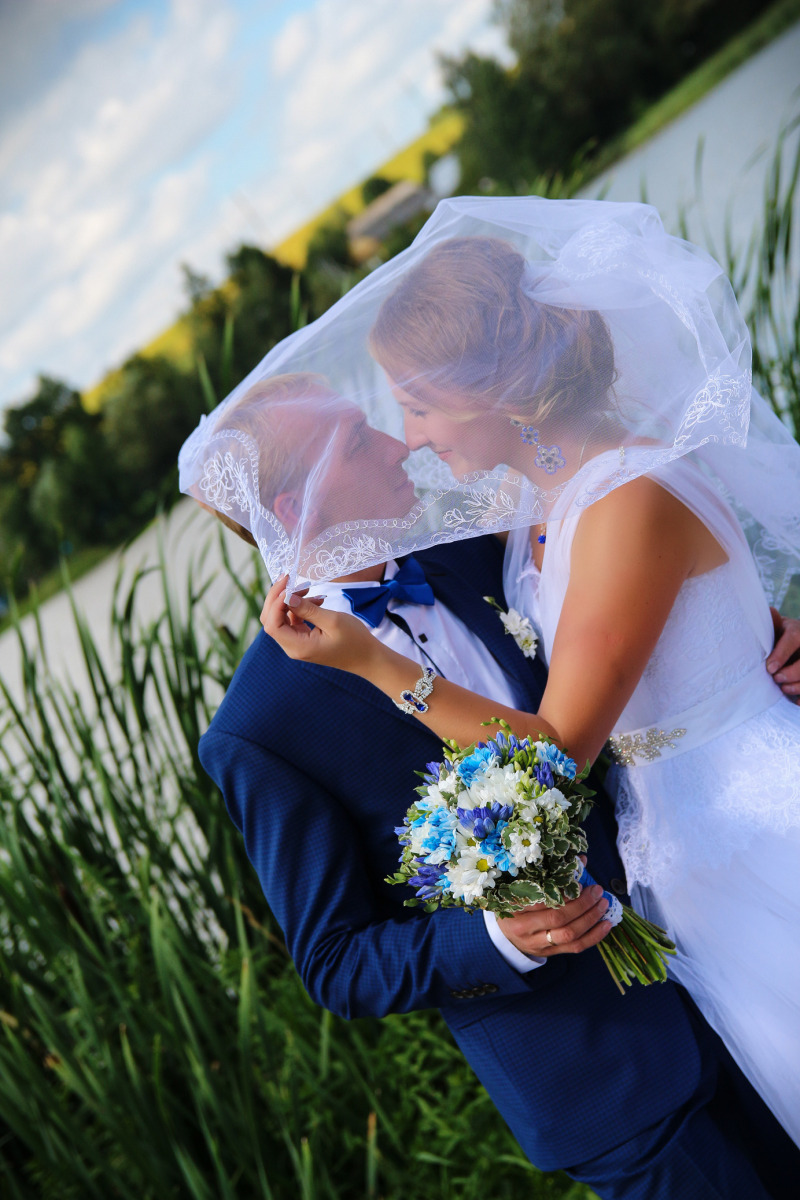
<point x="441" y="640"/>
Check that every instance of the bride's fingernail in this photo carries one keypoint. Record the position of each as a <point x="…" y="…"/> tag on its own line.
<point x="779" y="678"/>
<point x="294" y="600"/>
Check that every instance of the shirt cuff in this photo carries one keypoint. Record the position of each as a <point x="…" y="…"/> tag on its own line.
<point x="515" y="958"/>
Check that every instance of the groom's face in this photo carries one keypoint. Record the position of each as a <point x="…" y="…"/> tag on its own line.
<point x="353" y="472"/>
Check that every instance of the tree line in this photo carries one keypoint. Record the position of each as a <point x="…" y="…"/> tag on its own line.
<point x="585" y="71"/>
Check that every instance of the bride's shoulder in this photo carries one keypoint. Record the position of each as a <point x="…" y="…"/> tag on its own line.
<point x="633" y="502"/>
<point x="647" y="518"/>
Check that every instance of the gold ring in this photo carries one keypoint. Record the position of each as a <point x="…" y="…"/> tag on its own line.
<point x="549" y="937"/>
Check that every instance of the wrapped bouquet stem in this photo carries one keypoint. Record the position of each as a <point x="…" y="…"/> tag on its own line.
<point x="498" y="825"/>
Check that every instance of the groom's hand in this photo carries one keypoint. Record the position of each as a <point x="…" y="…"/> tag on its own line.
<point x="783" y="663"/>
<point x="573" y="927"/>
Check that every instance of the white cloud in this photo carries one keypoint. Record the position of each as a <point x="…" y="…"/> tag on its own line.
<point x="108" y="176"/>
<point x="291" y="44"/>
<point x="93" y="202"/>
<point x="353" y="82"/>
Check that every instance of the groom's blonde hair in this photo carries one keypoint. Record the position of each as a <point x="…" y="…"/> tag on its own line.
<point x="254" y="415"/>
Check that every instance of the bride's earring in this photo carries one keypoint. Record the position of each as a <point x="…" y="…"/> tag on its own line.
<point x="528" y="433"/>
<point x="622" y="456"/>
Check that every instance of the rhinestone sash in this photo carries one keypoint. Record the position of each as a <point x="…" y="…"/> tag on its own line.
<point x="720" y="713"/>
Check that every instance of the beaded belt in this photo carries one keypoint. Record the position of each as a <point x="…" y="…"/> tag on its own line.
<point x="723" y="711"/>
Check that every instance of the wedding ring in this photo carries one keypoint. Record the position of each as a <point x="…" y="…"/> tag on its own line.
<point x="549" y="937"/>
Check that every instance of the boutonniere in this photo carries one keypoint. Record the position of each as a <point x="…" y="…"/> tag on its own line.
<point x="518" y="626"/>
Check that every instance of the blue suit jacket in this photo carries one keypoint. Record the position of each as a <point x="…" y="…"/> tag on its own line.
<point x="317" y="768"/>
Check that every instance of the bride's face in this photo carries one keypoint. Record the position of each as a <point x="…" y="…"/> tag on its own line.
<point x="466" y="444"/>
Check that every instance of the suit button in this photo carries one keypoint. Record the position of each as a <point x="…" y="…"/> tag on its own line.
<point x="618" y="886"/>
<point x="489" y="988"/>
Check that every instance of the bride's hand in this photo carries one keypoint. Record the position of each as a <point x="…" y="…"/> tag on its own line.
<point x="783" y="663"/>
<point x="336" y="639"/>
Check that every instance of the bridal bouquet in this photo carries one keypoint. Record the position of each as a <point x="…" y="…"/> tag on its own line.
<point x="498" y="825"/>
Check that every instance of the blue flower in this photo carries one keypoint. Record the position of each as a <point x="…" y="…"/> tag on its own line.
<point x="492" y="844"/>
<point x="439" y="841"/>
<point x="506" y="747"/>
<point x="544" y="774"/>
<point x="483" y="821"/>
<point x="432" y="772"/>
<point x="561" y="763"/>
<point x="427" y="880"/>
<point x="475" y="764"/>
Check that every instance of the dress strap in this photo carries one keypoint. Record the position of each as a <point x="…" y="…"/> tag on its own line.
<point x="752" y="694"/>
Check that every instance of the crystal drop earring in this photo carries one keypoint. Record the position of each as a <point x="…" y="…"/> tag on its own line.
<point x="528" y="433"/>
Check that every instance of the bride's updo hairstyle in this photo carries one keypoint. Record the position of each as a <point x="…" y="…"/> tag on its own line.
<point x="464" y="323"/>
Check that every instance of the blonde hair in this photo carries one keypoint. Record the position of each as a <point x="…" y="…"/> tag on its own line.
<point x="253" y="414"/>
<point x="465" y="298"/>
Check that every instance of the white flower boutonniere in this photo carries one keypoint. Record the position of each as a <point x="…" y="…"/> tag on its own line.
<point x="518" y="626"/>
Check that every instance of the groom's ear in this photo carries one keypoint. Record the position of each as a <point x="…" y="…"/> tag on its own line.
<point x="286" y="507"/>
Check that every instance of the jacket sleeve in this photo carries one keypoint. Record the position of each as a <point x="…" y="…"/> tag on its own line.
<point x="312" y="866"/>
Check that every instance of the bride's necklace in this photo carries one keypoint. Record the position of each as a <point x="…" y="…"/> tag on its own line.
<point x="541" y="536"/>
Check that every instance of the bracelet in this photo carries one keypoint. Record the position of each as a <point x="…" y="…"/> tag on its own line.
<point x="414" y="702"/>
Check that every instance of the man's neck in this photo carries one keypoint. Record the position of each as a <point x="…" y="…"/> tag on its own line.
<point x="366" y="575"/>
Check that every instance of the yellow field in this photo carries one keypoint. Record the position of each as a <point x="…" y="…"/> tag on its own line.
<point x="175" y="342"/>
<point x="408" y="164"/>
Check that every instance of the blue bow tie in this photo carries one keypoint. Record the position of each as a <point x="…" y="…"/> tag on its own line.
<point x="408" y="584"/>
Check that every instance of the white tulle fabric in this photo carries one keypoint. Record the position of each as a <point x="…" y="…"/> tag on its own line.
<point x="502" y="310"/>
<point x="710" y="835"/>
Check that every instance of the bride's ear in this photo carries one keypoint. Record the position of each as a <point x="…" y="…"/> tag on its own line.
<point x="286" y="507"/>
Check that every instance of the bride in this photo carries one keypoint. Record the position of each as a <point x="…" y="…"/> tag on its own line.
<point x="585" y="380"/>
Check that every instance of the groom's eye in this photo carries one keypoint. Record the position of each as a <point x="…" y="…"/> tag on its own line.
<point x="358" y="439"/>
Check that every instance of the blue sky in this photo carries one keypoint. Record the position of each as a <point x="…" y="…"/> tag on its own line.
<point x="138" y="134"/>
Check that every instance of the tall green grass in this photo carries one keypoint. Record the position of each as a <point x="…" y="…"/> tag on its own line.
<point x="155" y="1041"/>
<point x="774" y="271"/>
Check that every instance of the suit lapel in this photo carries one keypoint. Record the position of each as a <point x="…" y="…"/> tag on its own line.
<point x="455" y="585"/>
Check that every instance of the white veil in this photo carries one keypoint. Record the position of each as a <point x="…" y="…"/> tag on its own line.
<point x="523" y="338"/>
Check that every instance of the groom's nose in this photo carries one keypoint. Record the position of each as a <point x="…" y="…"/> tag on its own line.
<point x="389" y="450"/>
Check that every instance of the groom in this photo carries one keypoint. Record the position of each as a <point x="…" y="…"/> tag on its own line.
<point x="632" y="1094"/>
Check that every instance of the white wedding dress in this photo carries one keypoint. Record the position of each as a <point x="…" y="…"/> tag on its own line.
<point x="708" y="794"/>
